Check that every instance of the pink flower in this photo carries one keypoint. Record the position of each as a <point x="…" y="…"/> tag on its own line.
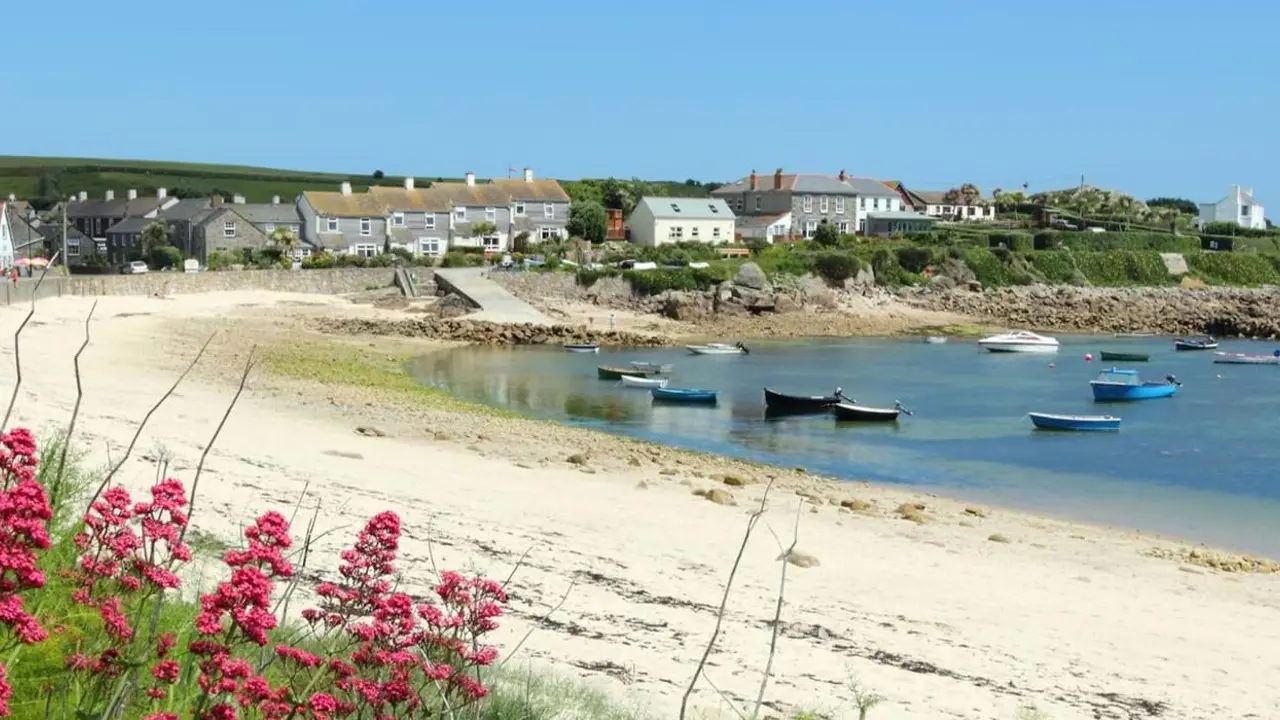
<point x="166" y="671"/>
<point x="6" y="691"/>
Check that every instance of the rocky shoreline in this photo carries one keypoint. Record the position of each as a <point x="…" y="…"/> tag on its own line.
<point x="483" y="333"/>
<point x="1221" y="312"/>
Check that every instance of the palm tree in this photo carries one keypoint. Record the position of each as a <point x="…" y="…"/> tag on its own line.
<point x="285" y="239"/>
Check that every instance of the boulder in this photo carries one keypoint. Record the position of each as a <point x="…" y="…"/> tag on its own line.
<point x="785" y="304"/>
<point x="684" y="306"/>
<point x="751" y="276"/>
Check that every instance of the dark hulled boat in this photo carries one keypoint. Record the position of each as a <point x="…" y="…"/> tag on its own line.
<point x="778" y="403"/>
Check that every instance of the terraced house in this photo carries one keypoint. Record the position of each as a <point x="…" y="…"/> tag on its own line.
<point x="417" y="217"/>
<point x="801" y="202"/>
<point x="343" y="222"/>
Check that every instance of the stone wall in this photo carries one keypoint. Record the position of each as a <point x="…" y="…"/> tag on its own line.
<point x="536" y="286"/>
<point x="326" y="282"/>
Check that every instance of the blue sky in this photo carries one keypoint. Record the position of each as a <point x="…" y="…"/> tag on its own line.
<point x="1153" y="97"/>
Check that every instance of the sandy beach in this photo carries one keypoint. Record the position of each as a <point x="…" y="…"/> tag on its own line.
<point x="954" y="611"/>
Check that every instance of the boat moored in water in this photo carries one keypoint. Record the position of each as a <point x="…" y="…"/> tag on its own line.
<point x="1019" y="341"/>
<point x="613" y="372"/>
<point x="582" y="348"/>
<point x="1242" y="359"/>
<point x="1113" y="356"/>
<point x="718" y="349"/>
<point x="652" y="367"/>
<point x="782" y="403"/>
<point x="1115" y="384"/>
<point x="934" y="339"/>
<point x="851" y="411"/>
<point x="684" y="395"/>
<point x="1049" y="421"/>
<point x="644" y="382"/>
<point x="1198" y="343"/>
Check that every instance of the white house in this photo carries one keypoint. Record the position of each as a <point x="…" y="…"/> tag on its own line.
<point x="6" y="238"/>
<point x="1237" y="207"/>
<point x="659" y="220"/>
<point x="765" y="227"/>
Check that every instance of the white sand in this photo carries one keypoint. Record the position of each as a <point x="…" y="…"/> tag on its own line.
<point x="1068" y="617"/>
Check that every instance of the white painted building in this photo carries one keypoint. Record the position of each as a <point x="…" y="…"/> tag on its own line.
<point x="661" y="220"/>
<point x="6" y="238"/>
<point x="1237" y="207"/>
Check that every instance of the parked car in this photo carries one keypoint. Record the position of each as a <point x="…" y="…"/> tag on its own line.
<point x="137" y="267"/>
<point x="1061" y="224"/>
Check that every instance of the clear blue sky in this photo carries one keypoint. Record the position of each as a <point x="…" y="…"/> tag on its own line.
<point x="1153" y="97"/>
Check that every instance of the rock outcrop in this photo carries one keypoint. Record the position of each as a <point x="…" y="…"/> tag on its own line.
<point x="483" y="333"/>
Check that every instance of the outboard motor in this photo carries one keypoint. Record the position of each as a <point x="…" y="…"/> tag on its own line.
<point x="1173" y="379"/>
<point x="897" y="405"/>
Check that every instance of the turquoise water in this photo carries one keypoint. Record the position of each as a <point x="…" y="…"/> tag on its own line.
<point x="1201" y="464"/>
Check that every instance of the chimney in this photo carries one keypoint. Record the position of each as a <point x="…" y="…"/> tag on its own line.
<point x="777" y="179"/>
<point x="84" y="196"/>
<point x="755" y="181"/>
<point x="111" y="195"/>
<point x="275" y="199"/>
<point x="843" y="175"/>
<point x="237" y="199"/>
<point x="408" y="183"/>
<point x="215" y="200"/>
<point x="162" y="193"/>
<point x="131" y="194"/>
<point x="471" y="179"/>
<point x="346" y="188"/>
<point x="528" y="175"/>
<point x="12" y="197"/>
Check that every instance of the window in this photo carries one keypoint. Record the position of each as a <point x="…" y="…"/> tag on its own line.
<point x="492" y="242"/>
<point x="862" y="226"/>
<point x="1244" y="211"/>
<point x="972" y="211"/>
<point x="875" y="202"/>
<point x="366" y="250"/>
<point x="715" y="209"/>
<point x="331" y="225"/>
<point x="268" y="228"/>
<point x="548" y="210"/>
<point x="824" y="204"/>
<point x="429" y="222"/>
<point x="839" y="206"/>
<point x="547" y="233"/>
<point x="810" y="227"/>
<point x="229" y="229"/>
<point x="302" y="253"/>
<point x="693" y="234"/>
<point x="429" y="246"/>
<point x="757" y="204"/>
<point x="676" y="233"/>
<point x="737" y="204"/>
<point x="862" y="203"/>
<point x="519" y="209"/>
<point x="844" y="227"/>
<point x="675" y="207"/>
<point x="73" y="247"/>
<point x="715" y="233"/>
<point x="491" y="215"/>
<point x="808" y="203"/>
<point x="366" y="226"/>
<point x="397" y="219"/>
<point x="460" y="213"/>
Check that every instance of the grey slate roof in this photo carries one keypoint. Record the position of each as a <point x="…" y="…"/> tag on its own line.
<point x="130" y="225"/>
<point x="870" y="188"/>
<point x="668" y="208"/>
<point x="811" y="184"/>
<point x="261" y="213"/>
<point x="118" y="208"/>
<point x="187" y="209"/>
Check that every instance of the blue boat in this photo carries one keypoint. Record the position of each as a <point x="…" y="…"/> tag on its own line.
<point x="1047" y="421"/>
<point x="684" y="395"/>
<point x="1115" y="385"/>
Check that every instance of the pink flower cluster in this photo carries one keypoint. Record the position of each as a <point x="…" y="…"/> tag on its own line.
<point x="24" y="516"/>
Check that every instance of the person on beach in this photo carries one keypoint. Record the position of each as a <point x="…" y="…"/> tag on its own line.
<point x="613" y="321"/>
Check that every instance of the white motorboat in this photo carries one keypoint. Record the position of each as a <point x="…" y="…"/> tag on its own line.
<point x="1019" y="341"/>
<point x="644" y="382"/>
<point x="718" y="349"/>
<point x="1243" y="359"/>
<point x="935" y="339"/>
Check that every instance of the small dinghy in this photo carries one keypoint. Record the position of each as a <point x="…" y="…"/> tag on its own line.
<point x="583" y="348"/>
<point x="1242" y="359"/>
<point x="1199" y="343"/>
<point x="644" y="382"/>
<point x="1112" y="356"/>
<point x="718" y="349"/>
<point x="783" y="404"/>
<point x="934" y="340"/>
<point x="613" y="372"/>
<point x="1116" y="384"/>
<point x="1049" y="421"/>
<point x="1135" y="335"/>
<point x="852" y="412"/>
<point x="684" y="395"/>
<point x="652" y="367"/>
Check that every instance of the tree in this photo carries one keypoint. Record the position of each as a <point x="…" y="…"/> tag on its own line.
<point x="588" y="221"/>
<point x="378" y="174"/>
<point x="520" y="243"/>
<point x="616" y="195"/>
<point x="285" y="239"/>
<point x="1182" y="205"/>
<point x="826" y="235"/>
<point x="155" y="235"/>
<point x="483" y="229"/>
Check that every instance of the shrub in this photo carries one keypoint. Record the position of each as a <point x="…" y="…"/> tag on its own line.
<point x="351" y="260"/>
<point x="1160" y="242"/>
<point x="989" y="269"/>
<point x="320" y="261"/>
<point x="166" y="256"/>
<point x="461" y="258"/>
<point x="1055" y="266"/>
<point x="914" y="259"/>
<point x="653" y="282"/>
<point x="1123" y="267"/>
<point x="1232" y="229"/>
<point x="835" y="267"/>
<point x="586" y="277"/>
<point x="1009" y="241"/>
<point x="1235" y="268"/>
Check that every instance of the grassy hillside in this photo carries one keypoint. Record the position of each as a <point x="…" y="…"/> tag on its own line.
<point x="43" y="178"/>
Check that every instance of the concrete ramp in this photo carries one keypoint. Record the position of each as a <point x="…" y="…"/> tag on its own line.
<point x="1175" y="263"/>
<point x="495" y="303"/>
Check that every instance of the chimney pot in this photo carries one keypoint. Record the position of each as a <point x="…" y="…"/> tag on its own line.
<point x="110" y="195"/>
<point x="528" y="175"/>
<point x="346" y="188"/>
<point x="777" y="179"/>
<point x="408" y="183"/>
<point x="755" y="181"/>
<point x="275" y="199"/>
<point x="131" y="194"/>
<point x="84" y="196"/>
<point x="12" y="197"/>
<point x="471" y="179"/>
<point x="237" y="199"/>
<point x="215" y="200"/>
<point x="843" y="175"/>
<point x="162" y="193"/>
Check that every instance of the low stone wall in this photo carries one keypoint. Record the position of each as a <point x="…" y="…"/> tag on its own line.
<point x="534" y="286"/>
<point x="325" y="282"/>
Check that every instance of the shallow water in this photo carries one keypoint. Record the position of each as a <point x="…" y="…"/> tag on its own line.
<point x="1199" y="465"/>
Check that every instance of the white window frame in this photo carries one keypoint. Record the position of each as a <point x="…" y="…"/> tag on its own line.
<point x="366" y="227"/>
<point x="824" y="205"/>
<point x="844" y="227"/>
<point x="301" y="253"/>
<point x="547" y="233"/>
<point x="875" y="203"/>
<point x="364" y="250"/>
<point x="693" y="233"/>
<point x="675" y="233"/>
<point x="429" y="221"/>
<point x="808" y="203"/>
<point x="429" y="246"/>
<point x="73" y="247"/>
<point x="397" y="219"/>
<point x="268" y="228"/>
<point x="331" y="225"/>
<point x="491" y="242"/>
<point x="715" y="233"/>
<point x="229" y="228"/>
<point x="520" y="209"/>
<point x="810" y="227"/>
<point x="757" y="204"/>
<point x="548" y="210"/>
<point x="839" y="206"/>
<point x="862" y="203"/>
<point x="491" y="214"/>
<point x="460" y="213"/>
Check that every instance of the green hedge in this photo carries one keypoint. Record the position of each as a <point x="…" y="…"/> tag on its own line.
<point x="1233" y="230"/>
<point x="1123" y="267"/>
<point x="652" y="282"/>
<point x="1235" y="268"/>
<point x="1055" y="267"/>
<point x="1159" y="242"/>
